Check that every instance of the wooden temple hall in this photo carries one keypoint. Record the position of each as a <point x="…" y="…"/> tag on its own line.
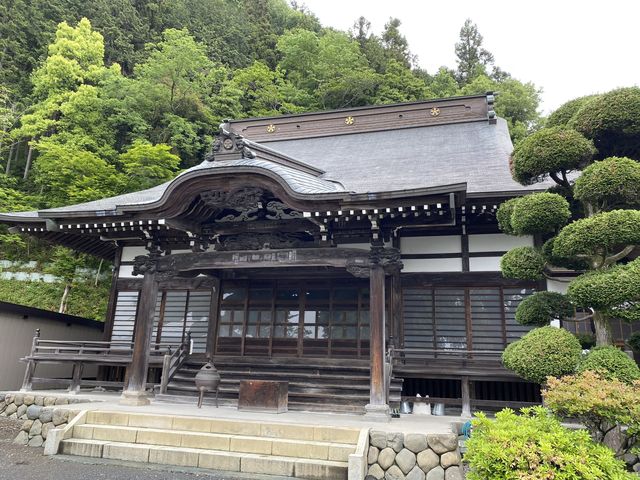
<point x="353" y="253"/>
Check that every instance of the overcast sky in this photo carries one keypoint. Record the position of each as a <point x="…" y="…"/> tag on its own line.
<point x="569" y="48"/>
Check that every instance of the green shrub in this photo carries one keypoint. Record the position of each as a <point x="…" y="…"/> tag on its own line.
<point x="535" y="446"/>
<point x="524" y="263"/>
<point x="543" y="352"/>
<point x="611" y="362"/>
<point x="587" y="340"/>
<point x="612" y="121"/>
<point x="604" y="232"/>
<point x="570" y="263"/>
<point x="550" y="150"/>
<point x="542" y="307"/>
<point x="612" y="182"/>
<point x="600" y="405"/>
<point x="634" y="342"/>
<point x="539" y="213"/>
<point x="561" y="116"/>
<point x="615" y="291"/>
<point x="504" y="215"/>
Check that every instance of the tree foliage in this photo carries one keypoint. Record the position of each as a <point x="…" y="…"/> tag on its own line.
<point x="541" y="308"/>
<point x="612" y="121"/>
<point x="524" y="263"/>
<point x="551" y="152"/>
<point x="600" y="404"/>
<point x="543" y="352"/>
<point x="534" y="445"/>
<point x="611" y="183"/>
<point x="611" y="363"/>
<point x="539" y="213"/>
<point x="473" y="59"/>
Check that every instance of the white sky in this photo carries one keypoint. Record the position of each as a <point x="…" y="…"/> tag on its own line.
<point x="569" y="48"/>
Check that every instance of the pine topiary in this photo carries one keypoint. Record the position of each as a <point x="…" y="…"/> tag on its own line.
<point x="612" y="121"/>
<point x="542" y="307"/>
<point x="503" y="215"/>
<point x="613" y="182"/>
<point x="563" y="115"/>
<point x="548" y="151"/>
<point x="611" y="362"/>
<point x="543" y="352"/>
<point x="524" y="263"/>
<point x="539" y="213"/>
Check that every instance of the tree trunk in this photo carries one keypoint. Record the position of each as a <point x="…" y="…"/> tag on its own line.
<point x="13" y="146"/>
<point x="98" y="274"/>
<point x="28" y="165"/>
<point x="65" y="295"/>
<point x="603" y="329"/>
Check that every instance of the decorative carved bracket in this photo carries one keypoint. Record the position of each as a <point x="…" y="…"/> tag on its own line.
<point x="387" y="258"/>
<point x="229" y="144"/>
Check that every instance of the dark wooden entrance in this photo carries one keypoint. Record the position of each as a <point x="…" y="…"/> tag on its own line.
<point x="295" y="318"/>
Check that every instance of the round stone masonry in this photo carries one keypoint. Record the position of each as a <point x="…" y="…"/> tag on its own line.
<point x="413" y="456"/>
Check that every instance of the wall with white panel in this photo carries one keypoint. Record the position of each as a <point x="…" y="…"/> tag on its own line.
<point x="412" y="265"/>
<point x="484" y="264"/>
<point x="497" y="242"/>
<point x="435" y="244"/>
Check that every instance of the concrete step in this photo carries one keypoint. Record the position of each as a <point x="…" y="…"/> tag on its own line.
<point x="186" y="398"/>
<point x="312" y="469"/>
<point x="186" y="424"/>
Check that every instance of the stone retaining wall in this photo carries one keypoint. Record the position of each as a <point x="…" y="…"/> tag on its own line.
<point x="413" y="456"/>
<point x="39" y="413"/>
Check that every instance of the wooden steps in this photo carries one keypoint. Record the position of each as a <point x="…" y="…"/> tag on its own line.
<point x="292" y="450"/>
<point x="337" y="386"/>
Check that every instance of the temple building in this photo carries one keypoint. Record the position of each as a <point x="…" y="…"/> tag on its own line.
<point x="354" y="253"/>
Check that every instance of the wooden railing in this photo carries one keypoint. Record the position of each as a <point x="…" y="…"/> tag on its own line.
<point x="81" y="353"/>
<point x="404" y="355"/>
<point x="173" y="361"/>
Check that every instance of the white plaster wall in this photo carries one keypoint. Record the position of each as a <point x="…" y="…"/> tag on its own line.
<point x="496" y="242"/>
<point x="126" y="271"/>
<point x="559" y="286"/>
<point x="362" y="246"/>
<point x="434" y="244"/>
<point x="432" y="265"/>
<point x="129" y="253"/>
<point x="484" y="264"/>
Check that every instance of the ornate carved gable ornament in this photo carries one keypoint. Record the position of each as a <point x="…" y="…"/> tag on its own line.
<point x="229" y="145"/>
<point x="387" y="258"/>
<point x="262" y="241"/>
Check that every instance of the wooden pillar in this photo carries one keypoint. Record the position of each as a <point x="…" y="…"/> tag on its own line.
<point x="135" y="393"/>
<point x="214" y="311"/>
<point x="377" y="407"/>
<point x="466" y="398"/>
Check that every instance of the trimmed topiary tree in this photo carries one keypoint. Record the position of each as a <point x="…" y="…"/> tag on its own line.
<point x="611" y="362"/>
<point x="539" y="213"/>
<point x="542" y="307"/>
<point x="550" y="152"/>
<point x="525" y="263"/>
<point x="543" y="352"/>
<point x="609" y="195"/>
<point x="610" y="183"/>
<point x="534" y="445"/>
<point x="563" y="115"/>
<point x="612" y="122"/>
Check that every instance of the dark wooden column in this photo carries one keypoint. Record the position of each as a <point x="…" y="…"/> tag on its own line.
<point x="377" y="397"/>
<point x="382" y="261"/>
<point x="135" y="392"/>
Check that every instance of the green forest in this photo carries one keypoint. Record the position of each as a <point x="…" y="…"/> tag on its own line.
<point x="99" y="98"/>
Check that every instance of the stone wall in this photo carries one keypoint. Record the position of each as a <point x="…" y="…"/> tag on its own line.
<point x="39" y="413"/>
<point x="413" y="456"/>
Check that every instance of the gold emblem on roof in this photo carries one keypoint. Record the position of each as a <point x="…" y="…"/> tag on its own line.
<point x="435" y="111"/>
<point x="271" y="128"/>
<point x="349" y="120"/>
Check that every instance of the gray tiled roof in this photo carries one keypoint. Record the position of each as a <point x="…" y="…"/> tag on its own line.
<point x="476" y="153"/>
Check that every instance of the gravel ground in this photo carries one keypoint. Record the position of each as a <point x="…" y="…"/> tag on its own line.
<point x="18" y="462"/>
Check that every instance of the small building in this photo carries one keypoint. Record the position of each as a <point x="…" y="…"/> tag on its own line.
<point x="18" y="326"/>
<point x="355" y="253"/>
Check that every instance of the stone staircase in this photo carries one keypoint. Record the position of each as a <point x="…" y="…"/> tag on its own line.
<point x="339" y="386"/>
<point x="291" y="450"/>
